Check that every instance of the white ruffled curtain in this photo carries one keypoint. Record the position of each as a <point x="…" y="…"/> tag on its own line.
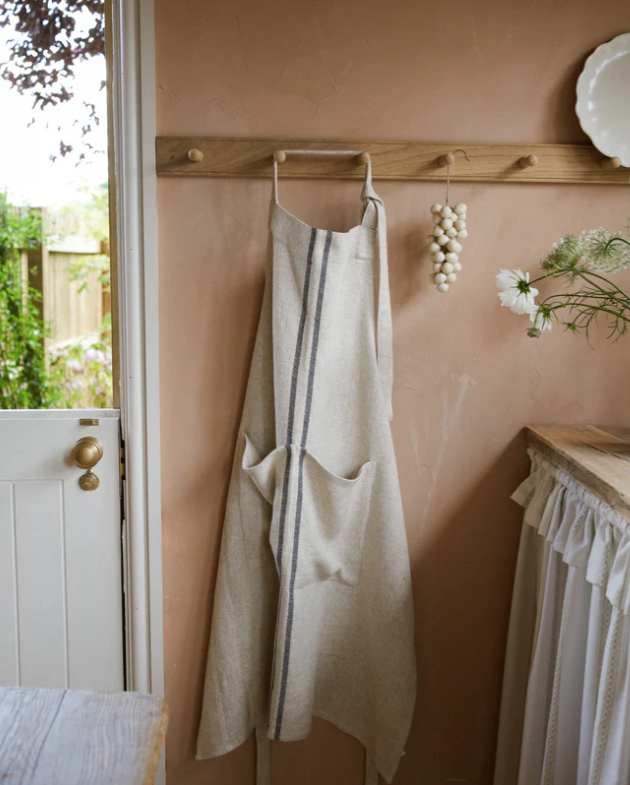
<point x="565" y="709"/>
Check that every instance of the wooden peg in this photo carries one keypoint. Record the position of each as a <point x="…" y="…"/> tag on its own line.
<point x="195" y="155"/>
<point x="611" y="163"/>
<point x="363" y="158"/>
<point x="446" y="160"/>
<point x="527" y="160"/>
<point x="279" y="156"/>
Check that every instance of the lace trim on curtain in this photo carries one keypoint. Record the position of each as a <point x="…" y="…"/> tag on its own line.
<point x="584" y="529"/>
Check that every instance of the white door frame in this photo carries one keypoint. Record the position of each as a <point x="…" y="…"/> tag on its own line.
<point x="133" y="98"/>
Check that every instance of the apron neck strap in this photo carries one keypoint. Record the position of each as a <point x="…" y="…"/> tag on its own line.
<point x="274" y="192"/>
<point x="367" y="191"/>
<point x="374" y="217"/>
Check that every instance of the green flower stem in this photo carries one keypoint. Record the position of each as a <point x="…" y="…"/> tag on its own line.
<point x="583" y="295"/>
<point x="594" y="294"/>
<point x="601" y="278"/>
<point x="586" y="306"/>
<point x="617" y="240"/>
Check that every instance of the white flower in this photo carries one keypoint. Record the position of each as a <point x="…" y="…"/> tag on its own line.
<point x="541" y="319"/>
<point x="516" y="292"/>
<point x="75" y="365"/>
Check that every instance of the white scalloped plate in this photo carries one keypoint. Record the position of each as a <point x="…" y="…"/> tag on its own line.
<point x="603" y="98"/>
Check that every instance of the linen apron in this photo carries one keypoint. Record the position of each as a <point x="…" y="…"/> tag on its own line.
<point x="313" y="610"/>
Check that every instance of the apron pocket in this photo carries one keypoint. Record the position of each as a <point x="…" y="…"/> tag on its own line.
<point x="335" y="511"/>
<point x="333" y="515"/>
<point x="259" y="480"/>
<point x="265" y="473"/>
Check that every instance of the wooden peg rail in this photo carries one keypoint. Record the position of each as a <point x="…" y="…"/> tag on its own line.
<point x="505" y="163"/>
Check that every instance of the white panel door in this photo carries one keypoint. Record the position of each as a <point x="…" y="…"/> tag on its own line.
<point x="61" y="606"/>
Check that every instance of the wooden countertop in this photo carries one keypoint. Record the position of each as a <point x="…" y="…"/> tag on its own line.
<point x="76" y="737"/>
<point x="597" y="457"/>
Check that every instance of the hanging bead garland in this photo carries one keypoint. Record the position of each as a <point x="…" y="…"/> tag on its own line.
<point x="449" y="227"/>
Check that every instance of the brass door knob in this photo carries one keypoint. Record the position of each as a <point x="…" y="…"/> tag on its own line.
<point x="86" y="453"/>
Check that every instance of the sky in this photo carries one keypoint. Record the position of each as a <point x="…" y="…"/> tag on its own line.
<point x="26" y="171"/>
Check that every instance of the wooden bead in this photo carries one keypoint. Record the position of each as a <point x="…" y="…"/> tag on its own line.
<point x="446" y="212"/>
<point x="195" y="155"/>
<point x="447" y="268"/>
<point x="443" y="239"/>
<point x="451" y="277"/>
<point x="446" y="223"/>
<point x="363" y="158"/>
<point x="279" y="156"/>
<point x="446" y="160"/>
<point x="611" y="163"/>
<point x="435" y="208"/>
<point x="527" y="161"/>
<point x="452" y="232"/>
<point x="459" y="224"/>
<point x="438" y="256"/>
<point x="434" y="247"/>
<point x="440" y="278"/>
<point x="443" y="287"/>
<point x="451" y="257"/>
<point x="437" y="268"/>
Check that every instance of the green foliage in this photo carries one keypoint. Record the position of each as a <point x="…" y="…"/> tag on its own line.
<point x="91" y="211"/>
<point x="25" y="382"/>
<point x="93" y="216"/>
<point x="84" y="367"/>
<point x="84" y="364"/>
<point x="51" y="39"/>
<point x="81" y="269"/>
<point x="593" y="297"/>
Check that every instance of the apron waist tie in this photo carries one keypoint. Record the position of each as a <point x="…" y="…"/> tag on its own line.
<point x="371" y="772"/>
<point x="263" y="764"/>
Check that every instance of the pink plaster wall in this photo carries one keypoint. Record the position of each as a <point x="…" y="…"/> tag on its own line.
<point x="467" y="377"/>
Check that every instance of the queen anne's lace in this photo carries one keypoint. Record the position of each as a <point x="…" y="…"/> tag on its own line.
<point x="604" y="251"/>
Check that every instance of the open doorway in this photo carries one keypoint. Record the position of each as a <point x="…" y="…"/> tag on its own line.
<point x="57" y="335"/>
<point x="80" y="237"/>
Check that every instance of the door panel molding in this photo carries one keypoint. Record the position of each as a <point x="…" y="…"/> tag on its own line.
<point x="133" y="130"/>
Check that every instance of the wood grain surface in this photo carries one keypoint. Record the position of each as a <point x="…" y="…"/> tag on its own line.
<point x="233" y="157"/>
<point x="76" y="737"/>
<point x="597" y="457"/>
